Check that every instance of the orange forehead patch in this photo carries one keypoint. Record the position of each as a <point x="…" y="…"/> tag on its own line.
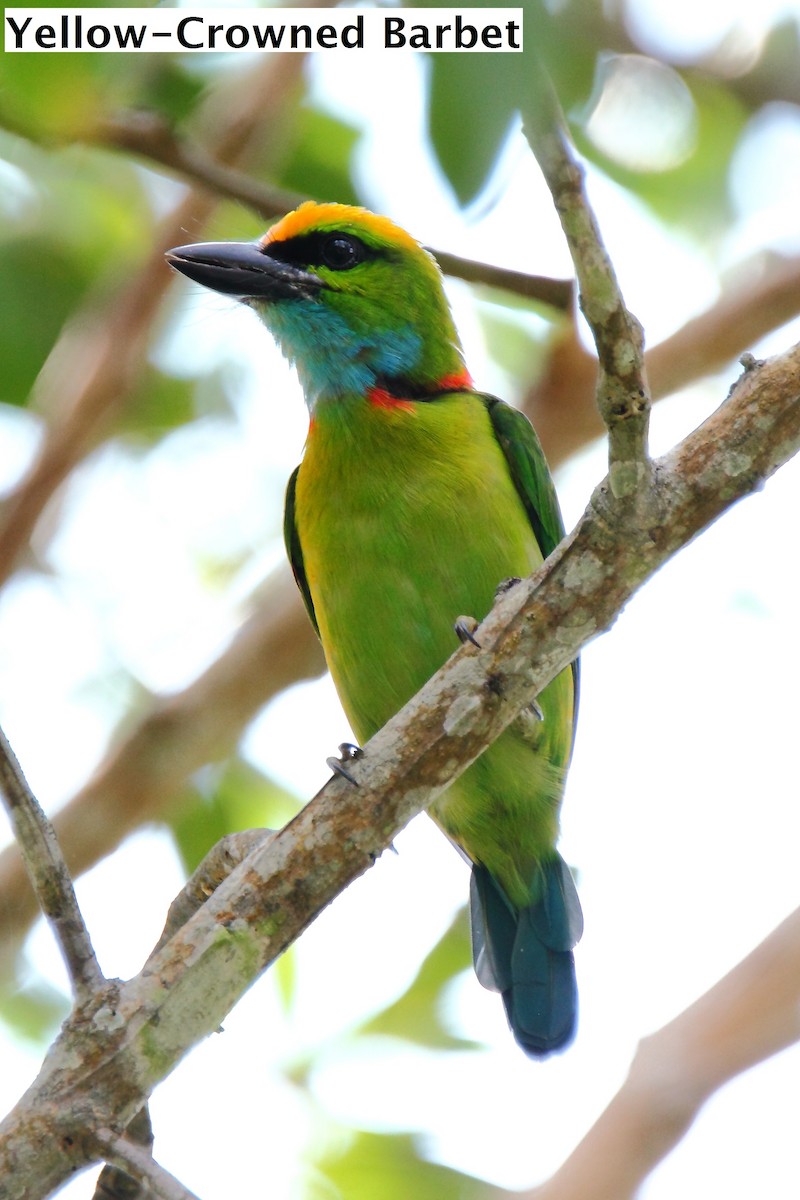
<point x="337" y="216"/>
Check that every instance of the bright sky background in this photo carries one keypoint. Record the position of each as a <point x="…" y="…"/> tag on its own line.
<point x="681" y="814"/>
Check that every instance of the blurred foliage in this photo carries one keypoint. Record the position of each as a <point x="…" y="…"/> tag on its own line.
<point x="391" y="1166"/>
<point x="33" y="1011"/>
<point x="417" y="1015"/>
<point x="28" y="328"/>
<point x="694" y="193"/>
<point x="225" y="797"/>
<point x="77" y="221"/>
<point x="58" y="207"/>
<point x="318" y="159"/>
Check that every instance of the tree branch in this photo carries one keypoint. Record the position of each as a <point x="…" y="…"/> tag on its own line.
<point x="49" y="877"/>
<point x="532" y="633"/>
<point x="751" y="1014"/>
<point x="228" y="853"/>
<point x="764" y="295"/>
<point x="138" y="1164"/>
<point x="622" y="393"/>
<point x="114" y="1182"/>
<point x="145" y="773"/>
<point x="149" y="136"/>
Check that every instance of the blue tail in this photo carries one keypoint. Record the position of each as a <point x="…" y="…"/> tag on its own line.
<point x="527" y="955"/>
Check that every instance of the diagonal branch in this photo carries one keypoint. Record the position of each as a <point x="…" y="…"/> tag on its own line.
<point x="146" y="772"/>
<point x="533" y="632"/>
<point x="751" y="1014"/>
<point x="138" y="1164"/>
<point x="114" y="1181"/>
<point x="49" y="877"/>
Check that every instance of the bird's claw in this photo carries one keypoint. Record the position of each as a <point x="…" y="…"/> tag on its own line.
<point x="348" y="753"/>
<point x="465" y="630"/>
<point x="375" y="855"/>
<point x="535" y="708"/>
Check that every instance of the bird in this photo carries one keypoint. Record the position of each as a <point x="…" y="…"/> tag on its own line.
<point x="416" y="497"/>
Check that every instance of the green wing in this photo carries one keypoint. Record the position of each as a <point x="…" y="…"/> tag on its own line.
<point x="532" y="479"/>
<point x="295" y="550"/>
<point x="529" y="471"/>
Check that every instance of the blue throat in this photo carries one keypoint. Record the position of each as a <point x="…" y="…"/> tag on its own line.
<point x="332" y="357"/>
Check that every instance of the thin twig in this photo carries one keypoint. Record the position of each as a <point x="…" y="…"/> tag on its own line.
<point x="114" y="1181"/>
<point x="149" y="136"/>
<point x="622" y="395"/>
<point x="139" y="1164"/>
<point x="119" y="1180"/>
<point x="146" y="770"/>
<point x="557" y="293"/>
<point x="49" y="876"/>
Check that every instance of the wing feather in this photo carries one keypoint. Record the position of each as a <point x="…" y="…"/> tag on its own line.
<point x="294" y="550"/>
<point x="531" y="477"/>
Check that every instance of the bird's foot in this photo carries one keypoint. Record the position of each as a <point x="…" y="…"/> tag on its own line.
<point x="465" y="630"/>
<point x="375" y="854"/>
<point x="347" y="753"/>
<point x="530" y="724"/>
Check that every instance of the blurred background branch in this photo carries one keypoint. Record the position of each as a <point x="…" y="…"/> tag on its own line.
<point x="146" y="618"/>
<point x="748" y="1016"/>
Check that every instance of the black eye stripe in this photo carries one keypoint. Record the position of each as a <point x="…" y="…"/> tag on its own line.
<point x="335" y="249"/>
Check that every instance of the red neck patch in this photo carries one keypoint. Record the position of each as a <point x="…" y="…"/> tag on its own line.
<point x="381" y="398"/>
<point x="459" y="381"/>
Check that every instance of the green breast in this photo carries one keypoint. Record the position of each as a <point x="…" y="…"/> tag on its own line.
<point x="407" y="520"/>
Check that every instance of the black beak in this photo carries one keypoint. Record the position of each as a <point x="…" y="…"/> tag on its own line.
<point x="244" y="270"/>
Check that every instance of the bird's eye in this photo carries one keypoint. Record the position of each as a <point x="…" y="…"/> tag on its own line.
<point x="341" y="252"/>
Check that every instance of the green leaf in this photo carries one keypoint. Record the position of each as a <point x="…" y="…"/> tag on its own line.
<point x="512" y="344"/>
<point x="389" y="1166"/>
<point x="473" y="98"/>
<point x="415" y="1016"/>
<point x="34" y="1011"/>
<point x="471" y="103"/>
<point x="284" y="976"/>
<point x="228" y="797"/>
<point x="169" y="88"/>
<point x="60" y="95"/>
<point x="158" y="404"/>
<point x="40" y="284"/>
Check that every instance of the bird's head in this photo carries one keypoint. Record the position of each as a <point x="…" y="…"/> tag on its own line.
<point x="353" y="301"/>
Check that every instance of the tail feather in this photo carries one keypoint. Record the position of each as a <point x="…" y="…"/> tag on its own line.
<point x="527" y="955"/>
